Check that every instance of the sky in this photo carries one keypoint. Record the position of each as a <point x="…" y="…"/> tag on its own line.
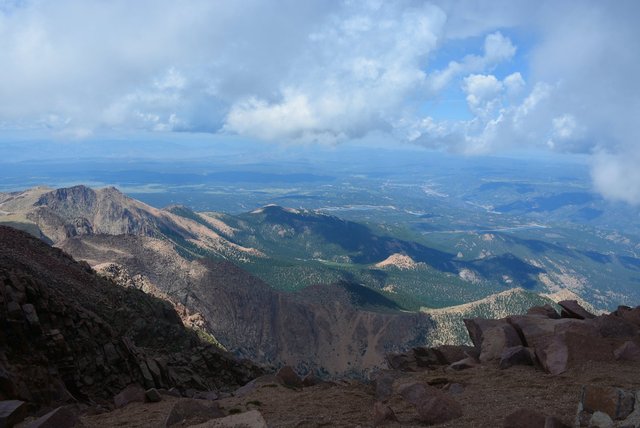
<point x="469" y="77"/>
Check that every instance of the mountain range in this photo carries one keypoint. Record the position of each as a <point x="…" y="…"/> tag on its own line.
<point x="280" y="285"/>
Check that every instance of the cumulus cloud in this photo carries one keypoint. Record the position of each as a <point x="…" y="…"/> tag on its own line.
<point x="617" y="176"/>
<point x="331" y="71"/>
<point x="497" y="48"/>
<point x="358" y="75"/>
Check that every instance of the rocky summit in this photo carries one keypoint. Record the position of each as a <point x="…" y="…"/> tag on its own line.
<point x="70" y="336"/>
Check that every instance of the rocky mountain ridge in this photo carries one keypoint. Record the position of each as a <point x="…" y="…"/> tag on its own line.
<point x="69" y="335"/>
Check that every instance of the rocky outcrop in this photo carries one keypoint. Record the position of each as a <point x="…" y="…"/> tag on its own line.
<point x="68" y="335"/>
<point x="540" y="338"/>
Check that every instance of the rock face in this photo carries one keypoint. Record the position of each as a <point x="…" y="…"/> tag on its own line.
<point x="67" y="334"/>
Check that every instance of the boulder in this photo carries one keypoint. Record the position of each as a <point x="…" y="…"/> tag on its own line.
<point x="250" y="419"/>
<point x="572" y="309"/>
<point x="615" y="327"/>
<point x="564" y="350"/>
<point x="131" y="393"/>
<point x="289" y="377"/>
<point x="615" y="402"/>
<point x="629" y="314"/>
<point x="497" y="339"/>
<point x="516" y="356"/>
<point x="477" y="326"/>
<point x="383" y="414"/>
<point x="536" y="332"/>
<point x="554" y="357"/>
<point x="12" y="412"/>
<point x="628" y="351"/>
<point x="438" y="409"/>
<point x="62" y="417"/>
<point x="190" y="411"/>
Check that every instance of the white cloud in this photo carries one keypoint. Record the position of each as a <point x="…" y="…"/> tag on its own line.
<point x="484" y="93"/>
<point x="497" y="49"/>
<point x="617" y="176"/>
<point x="360" y="73"/>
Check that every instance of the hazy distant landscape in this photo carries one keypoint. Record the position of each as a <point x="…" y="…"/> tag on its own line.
<point x="487" y="224"/>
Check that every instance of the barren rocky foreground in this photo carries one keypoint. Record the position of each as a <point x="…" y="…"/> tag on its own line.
<point x="487" y="395"/>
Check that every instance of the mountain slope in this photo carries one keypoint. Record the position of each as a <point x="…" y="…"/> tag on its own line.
<point x="68" y="334"/>
<point x="323" y="329"/>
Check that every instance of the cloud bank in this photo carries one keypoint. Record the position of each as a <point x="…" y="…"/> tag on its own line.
<point x="554" y="75"/>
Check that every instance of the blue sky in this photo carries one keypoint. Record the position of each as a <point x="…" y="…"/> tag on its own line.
<point x="468" y="77"/>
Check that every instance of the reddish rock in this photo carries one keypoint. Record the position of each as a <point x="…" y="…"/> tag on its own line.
<point x="566" y="349"/>
<point x="131" y="393"/>
<point x="629" y="314"/>
<point x="537" y="332"/>
<point x="383" y="414"/>
<point x="496" y="339"/>
<point x="289" y="377"/>
<point x="555" y="356"/>
<point x="546" y="311"/>
<point x="571" y="309"/>
<point x="615" y="327"/>
<point x="629" y="351"/>
<point x="477" y="326"/>
<point x="516" y="356"/>
<point x="438" y="409"/>
<point x="615" y="402"/>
